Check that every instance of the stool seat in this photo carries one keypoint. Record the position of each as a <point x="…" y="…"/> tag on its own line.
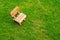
<point x="20" y="18"/>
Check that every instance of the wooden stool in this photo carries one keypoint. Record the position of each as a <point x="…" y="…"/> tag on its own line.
<point x="17" y="16"/>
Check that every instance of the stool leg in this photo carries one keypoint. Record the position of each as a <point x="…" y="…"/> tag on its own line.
<point x="20" y="23"/>
<point x="24" y="19"/>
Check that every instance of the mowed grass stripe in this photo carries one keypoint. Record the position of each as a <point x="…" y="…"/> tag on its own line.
<point x="40" y="22"/>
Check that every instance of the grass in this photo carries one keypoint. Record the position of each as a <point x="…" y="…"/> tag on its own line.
<point x="42" y="22"/>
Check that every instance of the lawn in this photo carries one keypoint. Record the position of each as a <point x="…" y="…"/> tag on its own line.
<point x="42" y="22"/>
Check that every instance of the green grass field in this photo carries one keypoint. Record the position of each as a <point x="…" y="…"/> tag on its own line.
<point x="42" y="22"/>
